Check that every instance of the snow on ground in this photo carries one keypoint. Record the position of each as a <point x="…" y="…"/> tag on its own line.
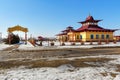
<point x="22" y="46"/>
<point x="46" y="46"/>
<point x="54" y="74"/>
<point x="4" y="46"/>
<point x="67" y="45"/>
<point x="26" y="46"/>
<point x="65" y="72"/>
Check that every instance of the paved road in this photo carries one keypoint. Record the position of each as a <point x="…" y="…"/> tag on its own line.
<point x="9" y="54"/>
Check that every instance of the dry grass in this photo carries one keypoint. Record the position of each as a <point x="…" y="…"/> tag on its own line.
<point x="118" y="67"/>
<point x="113" y="74"/>
<point x="106" y="74"/>
<point x="53" y="63"/>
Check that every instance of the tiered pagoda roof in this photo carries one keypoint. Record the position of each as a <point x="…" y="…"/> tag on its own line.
<point x="91" y="25"/>
<point x="89" y="19"/>
<point x="68" y="29"/>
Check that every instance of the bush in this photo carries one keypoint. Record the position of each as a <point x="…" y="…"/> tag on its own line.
<point x="82" y="43"/>
<point x="91" y="43"/>
<point x="52" y="43"/>
<point x="63" y="44"/>
<point x="14" y="39"/>
<point x="40" y="43"/>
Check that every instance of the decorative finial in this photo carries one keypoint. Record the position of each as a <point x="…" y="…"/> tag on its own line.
<point x="89" y="14"/>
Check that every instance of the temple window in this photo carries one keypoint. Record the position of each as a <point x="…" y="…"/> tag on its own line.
<point x="66" y="38"/>
<point x="92" y="36"/>
<point x="102" y="36"/>
<point x="97" y="36"/>
<point x="107" y="36"/>
<point x="80" y="36"/>
<point x="91" y="23"/>
<point x="77" y="36"/>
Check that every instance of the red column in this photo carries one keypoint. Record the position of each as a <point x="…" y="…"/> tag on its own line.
<point x="25" y="37"/>
<point x="9" y="37"/>
<point x="72" y="37"/>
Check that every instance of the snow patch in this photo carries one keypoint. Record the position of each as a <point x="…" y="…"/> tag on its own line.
<point x="26" y="46"/>
<point x="66" y="67"/>
<point x="4" y="46"/>
<point x="56" y="74"/>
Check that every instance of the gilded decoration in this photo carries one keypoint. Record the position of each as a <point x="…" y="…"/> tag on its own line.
<point x="17" y="28"/>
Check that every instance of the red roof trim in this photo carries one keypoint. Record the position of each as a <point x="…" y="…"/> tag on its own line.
<point x="96" y="30"/>
<point x="89" y="19"/>
<point x="61" y="34"/>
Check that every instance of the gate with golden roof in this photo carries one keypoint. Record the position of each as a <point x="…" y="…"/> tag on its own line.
<point x="17" y="28"/>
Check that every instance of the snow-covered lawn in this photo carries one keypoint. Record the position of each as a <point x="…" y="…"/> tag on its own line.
<point x="22" y="46"/>
<point x="4" y="46"/>
<point x="109" y="71"/>
<point x="66" y="72"/>
<point x="68" y="45"/>
<point x="45" y="46"/>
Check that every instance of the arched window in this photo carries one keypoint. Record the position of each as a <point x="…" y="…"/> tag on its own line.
<point x="66" y="38"/>
<point x="92" y="36"/>
<point x="97" y="36"/>
<point x="107" y="36"/>
<point x="80" y="36"/>
<point x="102" y="36"/>
<point x="77" y="36"/>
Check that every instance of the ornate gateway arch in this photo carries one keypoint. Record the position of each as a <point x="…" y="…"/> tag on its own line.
<point x="17" y="28"/>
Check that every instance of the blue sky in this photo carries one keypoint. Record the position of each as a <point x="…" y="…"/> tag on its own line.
<point x="49" y="17"/>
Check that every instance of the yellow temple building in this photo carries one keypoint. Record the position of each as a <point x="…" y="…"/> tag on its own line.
<point x="89" y="31"/>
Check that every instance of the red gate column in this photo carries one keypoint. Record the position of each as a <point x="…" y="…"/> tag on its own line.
<point x="25" y="37"/>
<point x="9" y="38"/>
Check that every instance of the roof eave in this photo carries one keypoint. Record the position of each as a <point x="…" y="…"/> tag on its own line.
<point x="90" y="21"/>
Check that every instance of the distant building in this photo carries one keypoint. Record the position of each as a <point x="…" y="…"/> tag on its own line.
<point x="117" y="38"/>
<point x="63" y="36"/>
<point x="89" y="31"/>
